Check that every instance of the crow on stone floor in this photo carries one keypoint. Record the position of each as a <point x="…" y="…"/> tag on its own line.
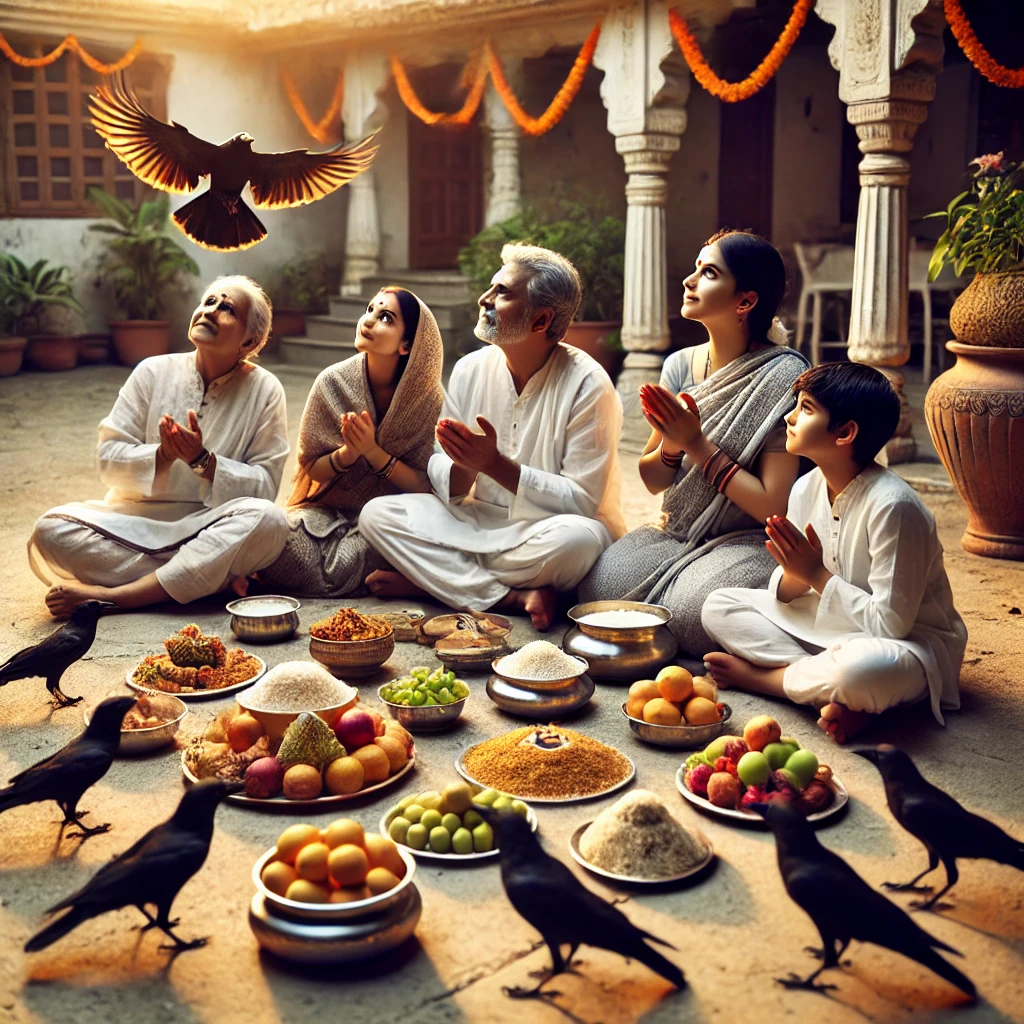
<point x="947" y="830"/>
<point x="152" y="872"/>
<point x="64" y="776"/>
<point x="169" y="157"/>
<point x="52" y="657"/>
<point x="548" y="895"/>
<point x="843" y="906"/>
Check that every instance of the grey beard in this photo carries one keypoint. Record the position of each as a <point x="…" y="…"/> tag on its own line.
<point x="494" y="332"/>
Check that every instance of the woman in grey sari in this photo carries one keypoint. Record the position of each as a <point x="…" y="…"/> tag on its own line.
<point x="717" y="450"/>
<point x="367" y="430"/>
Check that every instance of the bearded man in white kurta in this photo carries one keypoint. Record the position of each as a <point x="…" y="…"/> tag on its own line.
<point x="522" y="507"/>
<point x="858" y="617"/>
<point x="192" y="452"/>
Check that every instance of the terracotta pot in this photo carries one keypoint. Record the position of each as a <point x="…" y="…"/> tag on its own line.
<point x="135" y="340"/>
<point x="288" y="321"/>
<point x="990" y="311"/>
<point x="52" y="352"/>
<point x="95" y="349"/>
<point x="975" y="414"/>
<point x="590" y="336"/>
<point x="12" y="351"/>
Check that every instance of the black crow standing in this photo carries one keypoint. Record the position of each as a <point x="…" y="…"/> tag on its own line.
<point x="947" y="830"/>
<point x="843" y="906"/>
<point x="53" y="656"/>
<point x="66" y="775"/>
<point x="152" y="871"/>
<point x="547" y="894"/>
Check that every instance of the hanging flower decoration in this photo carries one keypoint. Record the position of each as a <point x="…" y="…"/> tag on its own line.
<point x="976" y="53"/>
<point x="734" y="92"/>
<point x="563" y="98"/>
<point x="474" y="74"/>
<point x="72" y="44"/>
<point x="320" y="130"/>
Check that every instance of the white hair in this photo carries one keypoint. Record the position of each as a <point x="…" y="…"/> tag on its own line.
<point x="260" y="313"/>
<point x="554" y="283"/>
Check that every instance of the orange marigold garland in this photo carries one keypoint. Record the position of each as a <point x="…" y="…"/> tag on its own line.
<point x="475" y="73"/>
<point x="976" y="53"/>
<point x="72" y="44"/>
<point x="320" y="130"/>
<point x="733" y="92"/>
<point x="563" y="98"/>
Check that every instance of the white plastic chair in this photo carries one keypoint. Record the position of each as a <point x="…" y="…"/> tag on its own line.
<point x="825" y="269"/>
<point x="947" y="281"/>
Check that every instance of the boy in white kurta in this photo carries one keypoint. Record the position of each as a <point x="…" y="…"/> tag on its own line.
<point x="192" y="452"/>
<point x="858" y="616"/>
<point x="524" y="507"/>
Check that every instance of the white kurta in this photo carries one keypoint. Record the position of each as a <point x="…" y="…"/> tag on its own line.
<point x="244" y="422"/>
<point x="889" y="582"/>
<point x="563" y="430"/>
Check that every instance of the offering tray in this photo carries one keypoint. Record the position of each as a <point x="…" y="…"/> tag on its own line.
<point x="549" y="800"/>
<point x="199" y="694"/>
<point x="750" y="817"/>
<point x="334" y="942"/>
<point x="540" y="704"/>
<point x="282" y="803"/>
<point x="574" y="849"/>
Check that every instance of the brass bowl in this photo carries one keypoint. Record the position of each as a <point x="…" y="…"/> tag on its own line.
<point x="261" y="628"/>
<point x="145" y="741"/>
<point x="353" y="657"/>
<point x="540" y="705"/>
<point x="679" y="737"/>
<point x="621" y="653"/>
<point x="534" y="684"/>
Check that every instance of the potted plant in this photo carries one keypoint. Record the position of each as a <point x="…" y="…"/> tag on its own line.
<point x="28" y="291"/>
<point x="595" y="245"/>
<point x="975" y="410"/>
<point x="142" y="262"/>
<point x="12" y="347"/>
<point x="302" y="288"/>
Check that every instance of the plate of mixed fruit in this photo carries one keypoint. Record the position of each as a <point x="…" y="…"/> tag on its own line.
<point x="761" y="766"/>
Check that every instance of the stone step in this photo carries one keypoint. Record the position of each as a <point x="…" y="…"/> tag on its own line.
<point x="432" y="286"/>
<point x="306" y="350"/>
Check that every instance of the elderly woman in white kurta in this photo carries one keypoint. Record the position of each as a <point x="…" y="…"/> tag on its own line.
<point x="192" y="452"/>
<point x="858" y="616"/>
<point x="522" y="507"/>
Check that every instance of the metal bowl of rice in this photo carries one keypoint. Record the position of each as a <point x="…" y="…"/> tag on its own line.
<point x="680" y="737"/>
<point x="540" y="665"/>
<point x="264" y="618"/>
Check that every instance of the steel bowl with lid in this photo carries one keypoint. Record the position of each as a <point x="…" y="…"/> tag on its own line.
<point x="264" y="618"/>
<point x="621" y="653"/>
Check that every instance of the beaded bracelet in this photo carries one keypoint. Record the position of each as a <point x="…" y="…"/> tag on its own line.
<point x="385" y="471"/>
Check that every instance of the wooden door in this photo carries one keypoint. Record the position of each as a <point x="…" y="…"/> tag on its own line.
<point x="445" y="193"/>
<point x="746" y="147"/>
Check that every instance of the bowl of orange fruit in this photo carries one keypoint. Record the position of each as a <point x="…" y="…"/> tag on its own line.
<point x="676" y="709"/>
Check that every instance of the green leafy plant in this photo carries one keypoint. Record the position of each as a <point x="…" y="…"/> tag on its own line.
<point x="25" y="291"/>
<point x="141" y="260"/>
<point x="304" y="286"/>
<point x="984" y="224"/>
<point x="594" y="243"/>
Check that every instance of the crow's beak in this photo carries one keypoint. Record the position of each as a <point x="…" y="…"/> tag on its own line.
<point x="230" y="787"/>
<point x="106" y="605"/>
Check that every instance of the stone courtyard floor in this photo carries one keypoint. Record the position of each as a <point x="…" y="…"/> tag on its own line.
<point x="735" y="928"/>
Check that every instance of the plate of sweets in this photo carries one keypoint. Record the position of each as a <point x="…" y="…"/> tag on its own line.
<point x="196" y="666"/>
<point x="298" y="738"/>
<point x="760" y="766"/>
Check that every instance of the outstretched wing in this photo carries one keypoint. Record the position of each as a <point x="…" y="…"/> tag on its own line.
<point x="166" y="156"/>
<point x="298" y="177"/>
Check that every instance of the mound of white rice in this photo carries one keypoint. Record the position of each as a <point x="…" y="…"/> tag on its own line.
<point x="297" y="686"/>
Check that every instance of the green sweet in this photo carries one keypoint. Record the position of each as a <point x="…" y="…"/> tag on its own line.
<point x="502" y="802"/>
<point x="471" y="819"/>
<point x="413" y="812"/>
<point x="486" y="797"/>
<point x="431" y="800"/>
<point x="417" y="837"/>
<point x="418" y="699"/>
<point x="399" y="829"/>
<point x="407" y="800"/>
<point x="483" y="838"/>
<point x="452" y="822"/>
<point x="778" y="754"/>
<point x="462" y="841"/>
<point x="440" y="840"/>
<point x="520" y="808"/>
<point x="431" y="819"/>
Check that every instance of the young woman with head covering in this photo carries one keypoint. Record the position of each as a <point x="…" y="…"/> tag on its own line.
<point x="717" y="449"/>
<point x="367" y="430"/>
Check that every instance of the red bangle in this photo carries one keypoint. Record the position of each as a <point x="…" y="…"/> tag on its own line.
<point x="727" y="478"/>
<point x="672" y="461"/>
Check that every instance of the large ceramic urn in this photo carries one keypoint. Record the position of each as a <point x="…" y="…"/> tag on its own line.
<point x="975" y="413"/>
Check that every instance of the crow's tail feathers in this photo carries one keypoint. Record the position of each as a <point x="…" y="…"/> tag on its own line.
<point x="1012" y="855"/>
<point x="10" y="797"/>
<point x="654" y="938"/>
<point x="57" y="929"/>
<point x="659" y="964"/>
<point x="220" y="222"/>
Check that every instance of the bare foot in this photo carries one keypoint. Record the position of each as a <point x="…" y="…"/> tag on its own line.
<point x="539" y="604"/>
<point x="841" y="723"/>
<point x="240" y="585"/>
<point x="384" y="583"/>
<point x="727" y="670"/>
<point x="62" y="600"/>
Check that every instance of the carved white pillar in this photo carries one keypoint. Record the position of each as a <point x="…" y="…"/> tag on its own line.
<point x="644" y="90"/>
<point x="887" y="53"/>
<point x="365" y="77"/>
<point x="504" y="191"/>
